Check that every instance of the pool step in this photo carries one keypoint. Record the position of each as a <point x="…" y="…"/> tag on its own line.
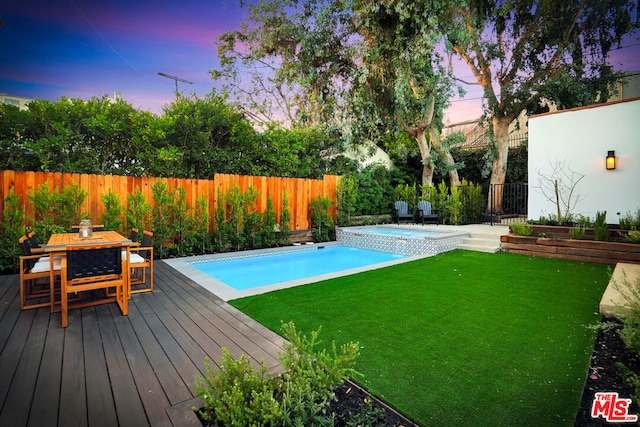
<point x="481" y="242"/>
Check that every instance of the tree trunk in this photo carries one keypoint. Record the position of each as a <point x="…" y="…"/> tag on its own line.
<point x="499" y="170"/>
<point x="425" y="154"/>
<point x="436" y="143"/>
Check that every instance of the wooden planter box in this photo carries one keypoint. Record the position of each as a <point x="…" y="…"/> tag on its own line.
<point x="578" y="250"/>
<point x="562" y="232"/>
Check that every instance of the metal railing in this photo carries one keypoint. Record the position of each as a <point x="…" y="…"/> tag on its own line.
<point x="506" y="203"/>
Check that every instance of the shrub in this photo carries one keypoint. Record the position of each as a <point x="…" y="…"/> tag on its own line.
<point x="321" y="222"/>
<point x="346" y="197"/>
<point x="630" y="221"/>
<point x="138" y="211"/>
<point x="630" y="332"/>
<point x="112" y="217"/>
<point x="600" y="227"/>
<point x="11" y="229"/>
<point x="577" y="232"/>
<point x="45" y="208"/>
<point x="237" y="394"/>
<point x="284" y="226"/>
<point x="521" y="229"/>
<point x="268" y="225"/>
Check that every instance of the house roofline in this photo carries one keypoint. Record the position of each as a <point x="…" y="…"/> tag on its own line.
<point x="585" y="107"/>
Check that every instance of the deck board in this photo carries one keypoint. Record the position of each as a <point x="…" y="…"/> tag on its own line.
<point x="107" y="369"/>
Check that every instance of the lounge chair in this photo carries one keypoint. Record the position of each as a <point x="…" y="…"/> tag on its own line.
<point x="425" y="213"/>
<point x="402" y="212"/>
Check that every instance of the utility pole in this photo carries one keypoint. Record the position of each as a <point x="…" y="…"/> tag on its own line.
<point x="176" y="80"/>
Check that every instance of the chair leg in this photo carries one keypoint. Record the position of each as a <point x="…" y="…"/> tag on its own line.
<point x="63" y="305"/>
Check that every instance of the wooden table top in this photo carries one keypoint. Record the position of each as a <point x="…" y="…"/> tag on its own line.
<point x="62" y="240"/>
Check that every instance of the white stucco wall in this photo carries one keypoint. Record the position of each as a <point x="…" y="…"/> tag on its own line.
<point x="580" y="138"/>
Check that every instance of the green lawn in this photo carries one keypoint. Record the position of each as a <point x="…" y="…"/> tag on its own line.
<point x="462" y="338"/>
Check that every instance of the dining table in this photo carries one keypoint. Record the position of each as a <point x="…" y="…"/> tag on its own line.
<point x="59" y="242"/>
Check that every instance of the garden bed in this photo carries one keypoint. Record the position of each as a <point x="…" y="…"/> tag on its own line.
<point x="577" y="250"/>
<point x="605" y="376"/>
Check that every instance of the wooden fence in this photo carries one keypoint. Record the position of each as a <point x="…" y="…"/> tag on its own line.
<point x="299" y="191"/>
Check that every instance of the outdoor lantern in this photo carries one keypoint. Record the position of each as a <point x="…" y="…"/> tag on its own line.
<point x="611" y="160"/>
<point x="86" y="229"/>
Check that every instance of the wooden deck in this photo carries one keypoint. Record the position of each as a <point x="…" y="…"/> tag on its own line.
<point x="106" y="369"/>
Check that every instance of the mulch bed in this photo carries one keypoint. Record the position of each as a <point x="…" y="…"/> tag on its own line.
<point x="604" y="376"/>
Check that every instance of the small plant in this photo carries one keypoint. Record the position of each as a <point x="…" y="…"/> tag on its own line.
<point x="284" y="227"/>
<point x="630" y="332"/>
<point x="237" y="394"/>
<point x="600" y="227"/>
<point x="542" y="235"/>
<point x="11" y="228"/>
<point x="320" y="218"/>
<point x="584" y="221"/>
<point x="346" y="198"/>
<point x="633" y="236"/>
<point x="630" y="221"/>
<point x="577" y="232"/>
<point x="112" y="217"/>
<point x="631" y="379"/>
<point x="521" y="229"/>
<point x="138" y="211"/>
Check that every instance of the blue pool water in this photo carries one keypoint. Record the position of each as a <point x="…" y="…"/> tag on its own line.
<point x="256" y="271"/>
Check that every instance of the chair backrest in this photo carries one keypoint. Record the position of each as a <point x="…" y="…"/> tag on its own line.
<point x="133" y="235"/>
<point x="94" y="260"/>
<point x="33" y="239"/>
<point x="425" y="207"/>
<point x="402" y="207"/>
<point x="145" y="243"/>
<point x="25" y="247"/>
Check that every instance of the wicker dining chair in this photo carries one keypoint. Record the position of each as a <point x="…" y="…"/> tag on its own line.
<point x="94" y="267"/>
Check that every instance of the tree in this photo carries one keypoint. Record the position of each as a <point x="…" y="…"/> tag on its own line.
<point x="402" y="84"/>
<point x="297" y="54"/>
<point x="203" y="137"/>
<point x="523" y="51"/>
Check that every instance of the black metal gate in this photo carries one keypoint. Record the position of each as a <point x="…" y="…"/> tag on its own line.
<point x="506" y="203"/>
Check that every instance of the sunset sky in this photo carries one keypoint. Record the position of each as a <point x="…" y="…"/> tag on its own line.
<point x="85" y="48"/>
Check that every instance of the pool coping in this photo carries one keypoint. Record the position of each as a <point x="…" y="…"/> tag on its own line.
<point x="227" y="293"/>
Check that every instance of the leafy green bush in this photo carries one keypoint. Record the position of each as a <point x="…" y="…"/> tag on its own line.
<point x="630" y="332"/>
<point x="268" y="225"/>
<point x="69" y="202"/>
<point x="521" y="228"/>
<point x="630" y="220"/>
<point x="284" y="226"/>
<point x="600" y="227"/>
<point x="45" y="207"/>
<point x="112" y="217"/>
<point x="138" y="211"/>
<point x="577" y="232"/>
<point x="11" y="229"/>
<point x="346" y="198"/>
<point x="237" y="394"/>
<point x="321" y="221"/>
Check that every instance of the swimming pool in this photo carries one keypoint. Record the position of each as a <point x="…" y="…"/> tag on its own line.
<point x="241" y="274"/>
<point x="403" y="241"/>
<point x="255" y="271"/>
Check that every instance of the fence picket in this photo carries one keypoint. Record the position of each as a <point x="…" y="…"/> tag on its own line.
<point x="299" y="191"/>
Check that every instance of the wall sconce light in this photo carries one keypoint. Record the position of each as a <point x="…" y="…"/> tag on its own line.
<point x="611" y="160"/>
